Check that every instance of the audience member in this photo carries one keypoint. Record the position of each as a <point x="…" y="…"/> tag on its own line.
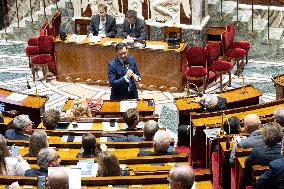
<point x="47" y="157"/>
<point x="131" y="118"/>
<point x="50" y="119"/>
<point x="102" y="24"/>
<point x="37" y="142"/>
<point x="213" y="103"/>
<point x="108" y="165"/>
<point x="22" y="128"/>
<point x="252" y="124"/>
<point x="181" y="176"/>
<point x="279" y="116"/>
<point x="263" y="155"/>
<point x="149" y="130"/>
<point x="11" y="165"/>
<point x="79" y="109"/>
<point x="233" y="123"/>
<point x="58" y="179"/>
<point x="133" y="27"/>
<point x="90" y="147"/>
<point x="161" y="145"/>
<point x="274" y="176"/>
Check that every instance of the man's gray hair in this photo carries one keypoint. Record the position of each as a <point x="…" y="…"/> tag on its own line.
<point x="149" y="130"/>
<point x="21" y="121"/>
<point x="279" y="116"/>
<point x="210" y="101"/>
<point x="252" y="120"/>
<point x="58" y="179"/>
<point x="162" y="141"/>
<point x="46" y="156"/>
<point x="184" y="174"/>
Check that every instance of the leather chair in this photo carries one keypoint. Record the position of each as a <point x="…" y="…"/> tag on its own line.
<point x="197" y="66"/>
<point x="219" y="67"/>
<point x="238" y="44"/>
<point x="229" y="52"/>
<point x="45" y="57"/>
<point x="171" y="32"/>
<point x="56" y="21"/>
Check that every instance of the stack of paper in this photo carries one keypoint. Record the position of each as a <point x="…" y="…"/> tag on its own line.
<point x="127" y="104"/>
<point x="16" y="97"/>
<point x="108" y="126"/>
<point x="151" y="46"/>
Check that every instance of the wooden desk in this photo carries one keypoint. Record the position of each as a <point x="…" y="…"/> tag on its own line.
<point x="32" y="105"/>
<point x="214" y="33"/>
<point x="110" y="107"/>
<point x="3" y="126"/>
<point x="279" y="86"/>
<point x="235" y="99"/>
<point x="86" y="62"/>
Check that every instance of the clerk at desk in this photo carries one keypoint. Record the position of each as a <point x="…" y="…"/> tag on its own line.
<point x="102" y="24"/>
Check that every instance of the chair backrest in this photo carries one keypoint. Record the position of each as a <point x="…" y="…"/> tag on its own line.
<point x="169" y="31"/>
<point x="46" y="44"/>
<point x="56" y="21"/>
<point x="196" y="56"/>
<point x="227" y="39"/>
<point x="213" y="52"/>
<point x="43" y="30"/>
<point x="231" y="28"/>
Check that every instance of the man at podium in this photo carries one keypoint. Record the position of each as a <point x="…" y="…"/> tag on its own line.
<point x="122" y="75"/>
<point x="102" y="24"/>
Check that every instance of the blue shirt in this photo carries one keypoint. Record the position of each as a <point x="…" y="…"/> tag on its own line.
<point x="11" y="134"/>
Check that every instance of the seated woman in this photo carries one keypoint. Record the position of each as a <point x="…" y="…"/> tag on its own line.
<point x="79" y="109"/>
<point x="37" y="142"/>
<point x="108" y="165"/>
<point x="50" y="119"/>
<point x="11" y="165"/>
<point x="90" y="147"/>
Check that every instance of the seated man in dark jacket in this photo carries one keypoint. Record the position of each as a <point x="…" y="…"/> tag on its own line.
<point x="274" y="176"/>
<point x="47" y="157"/>
<point x="263" y="155"/>
<point x="213" y="103"/>
<point x="161" y="144"/>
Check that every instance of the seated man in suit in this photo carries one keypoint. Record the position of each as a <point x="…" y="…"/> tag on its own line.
<point x="213" y="103"/>
<point x="150" y="129"/>
<point x="122" y="74"/>
<point x="102" y="24"/>
<point x="133" y="27"/>
<point x="22" y="128"/>
<point x="161" y="145"/>
<point x="273" y="177"/>
<point x="58" y="179"/>
<point x="181" y="176"/>
<point x="47" y="157"/>
<point x="279" y="116"/>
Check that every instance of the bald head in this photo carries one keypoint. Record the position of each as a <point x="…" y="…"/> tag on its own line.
<point x="181" y="177"/>
<point x="252" y="122"/>
<point x="58" y="179"/>
<point x="279" y="116"/>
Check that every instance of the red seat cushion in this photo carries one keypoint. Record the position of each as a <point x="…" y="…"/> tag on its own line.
<point x="32" y="50"/>
<point x="199" y="82"/>
<point x="235" y="53"/>
<point x="32" y="41"/>
<point x="196" y="71"/>
<point x="241" y="44"/>
<point x="41" y="59"/>
<point x="221" y="66"/>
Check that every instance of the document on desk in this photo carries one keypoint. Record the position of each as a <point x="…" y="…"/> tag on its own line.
<point x="88" y="167"/>
<point x="94" y="39"/>
<point x="76" y="138"/>
<point x="110" y="126"/>
<point x="151" y="46"/>
<point x="81" y="126"/>
<point x="127" y="104"/>
<point x="108" y="43"/>
<point x="16" y="97"/>
<point x="77" y="38"/>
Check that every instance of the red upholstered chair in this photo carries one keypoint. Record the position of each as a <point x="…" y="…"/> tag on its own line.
<point x="56" y="21"/>
<point x="235" y="54"/>
<point x="46" y="55"/>
<point x="44" y="29"/>
<point x="238" y="44"/>
<point x="32" y="48"/>
<point x="197" y="65"/>
<point x="220" y="67"/>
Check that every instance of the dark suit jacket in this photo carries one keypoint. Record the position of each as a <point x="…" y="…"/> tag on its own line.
<point x="139" y="31"/>
<point x="36" y="172"/>
<point x="116" y="73"/>
<point x="273" y="177"/>
<point x="110" y="25"/>
<point x="148" y="153"/>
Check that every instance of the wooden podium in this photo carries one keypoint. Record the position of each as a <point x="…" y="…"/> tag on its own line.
<point x="279" y="86"/>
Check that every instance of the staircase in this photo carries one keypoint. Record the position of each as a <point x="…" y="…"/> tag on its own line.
<point x="262" y="48"/>
<point x="28" y="28"/>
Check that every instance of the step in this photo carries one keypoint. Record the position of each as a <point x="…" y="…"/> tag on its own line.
<point x="274" y="33"/>
<point x="244" y="16"/>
